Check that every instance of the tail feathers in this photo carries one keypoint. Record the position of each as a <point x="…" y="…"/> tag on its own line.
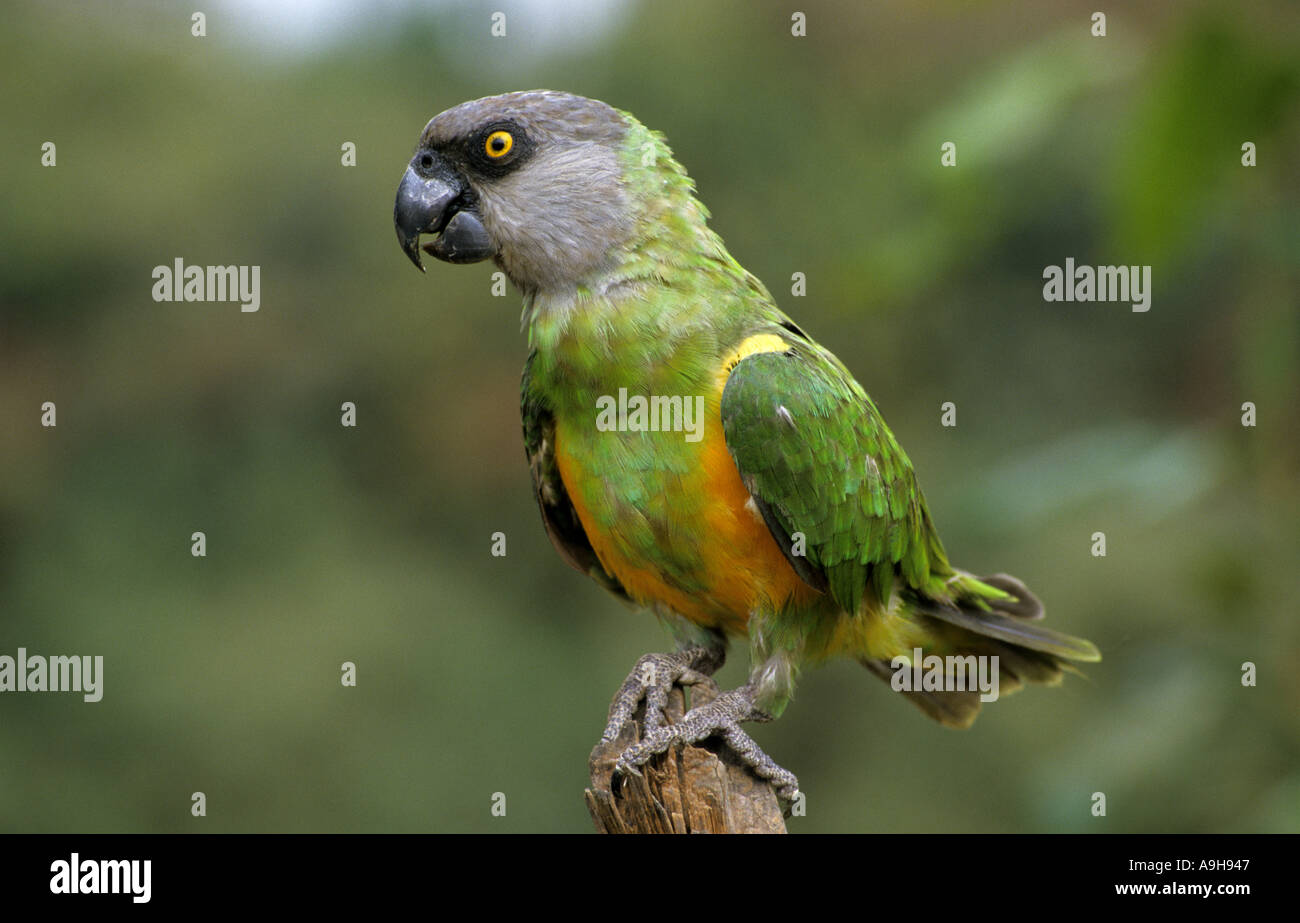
<point x="997" y="617"/>
<point x="1015" y="631"/>
<point x="1002" y="608"/>
<point x="1021" y="603"/>
<point x="951" y="709"/>
<point x="958" y="709"/>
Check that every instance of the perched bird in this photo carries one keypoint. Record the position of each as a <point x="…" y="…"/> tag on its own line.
<point x="693" y="450"/>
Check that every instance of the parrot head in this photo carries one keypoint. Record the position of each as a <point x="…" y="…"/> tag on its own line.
<point x="533" y="180"/>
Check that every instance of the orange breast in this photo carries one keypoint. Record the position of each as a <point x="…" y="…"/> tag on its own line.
<point x="734" y="557"/>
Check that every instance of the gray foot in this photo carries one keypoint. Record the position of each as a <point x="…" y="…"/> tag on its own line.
<point x="651" y="679"/>
<point x="721" y="717"/>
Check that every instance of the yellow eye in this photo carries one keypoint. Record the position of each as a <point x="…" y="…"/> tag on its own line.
<point x="498" y="144"/>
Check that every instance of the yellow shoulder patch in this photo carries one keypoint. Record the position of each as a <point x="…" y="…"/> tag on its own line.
<point x="758" y="343"/>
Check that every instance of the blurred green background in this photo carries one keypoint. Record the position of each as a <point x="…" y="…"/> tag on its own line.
<point x="817" y="155"/>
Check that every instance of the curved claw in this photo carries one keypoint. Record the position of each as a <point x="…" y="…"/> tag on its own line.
<point x="624" y="768"/>
<point x="651" y="680"/>
<point x="723" y="717"/>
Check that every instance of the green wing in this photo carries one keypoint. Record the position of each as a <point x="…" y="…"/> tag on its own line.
<point x="558" y="515"/>
<point x="819" y="460"/>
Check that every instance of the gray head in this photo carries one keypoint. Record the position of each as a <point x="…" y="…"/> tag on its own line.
<point x="532" y="179"/>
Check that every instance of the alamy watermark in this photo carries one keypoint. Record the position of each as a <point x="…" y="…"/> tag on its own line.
<point x="954" y="673"/>
<point x="654" y="414"/>
<point x="179" y="282"/>
<point x="35" y="673"/>
<point x="1099" y="283"/>
<point x="76" y="875"/>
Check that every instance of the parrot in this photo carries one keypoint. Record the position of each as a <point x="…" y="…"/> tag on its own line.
<point x="692" y="449"/>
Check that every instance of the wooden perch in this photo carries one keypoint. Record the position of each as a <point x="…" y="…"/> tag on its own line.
<point x="699" y="788"/>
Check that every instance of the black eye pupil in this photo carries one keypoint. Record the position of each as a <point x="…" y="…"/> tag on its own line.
<point x="497" y="144"/>
<point x="426" y="161"/>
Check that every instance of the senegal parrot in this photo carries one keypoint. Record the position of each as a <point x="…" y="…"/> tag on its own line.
<point x="692" y="449"/>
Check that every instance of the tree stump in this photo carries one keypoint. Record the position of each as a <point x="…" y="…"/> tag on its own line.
<point x="699" y="788"/>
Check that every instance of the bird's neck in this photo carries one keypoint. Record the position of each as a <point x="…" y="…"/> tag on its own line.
<point x="661" y="312"/>
<point x="669" y="251"/>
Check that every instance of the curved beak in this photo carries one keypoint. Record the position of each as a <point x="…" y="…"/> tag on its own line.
<point x="423" y="206"/>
